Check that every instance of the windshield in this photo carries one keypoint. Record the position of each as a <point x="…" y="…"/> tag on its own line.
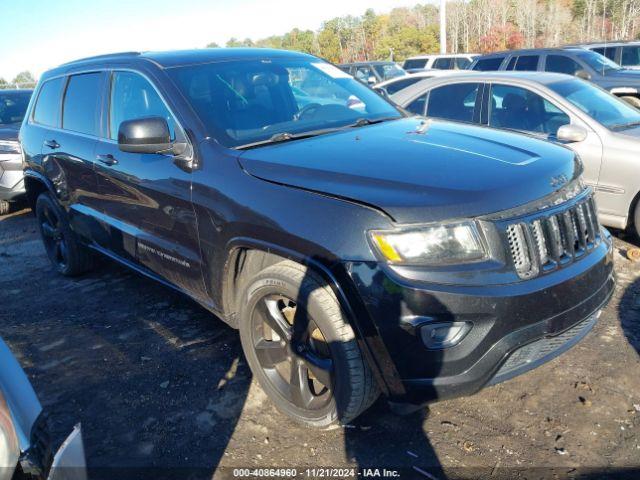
<point x="247" y="101"/>
<point x="390" y="70"/>
<point x="598" y="62"/>
<point x="13" y="106"/>
<point x="607" y="109"/>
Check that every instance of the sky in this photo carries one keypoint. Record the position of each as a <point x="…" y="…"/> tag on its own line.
<point x="40" y="34"/>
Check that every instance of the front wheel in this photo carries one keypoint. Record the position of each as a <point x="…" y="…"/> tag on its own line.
<point x="301" y="349"/>
<point x="65" y="251"/>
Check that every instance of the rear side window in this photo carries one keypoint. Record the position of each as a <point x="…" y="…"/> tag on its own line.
<point x="630" y="56"/>
<point x="609" y="52"/>
<point x="81" y="107"/>
<point x="47" y="109"/>
<point x="443" y="63"/>
<point x="132" y="97"/>
<point x="562" y="64"/>
<point x="414" y="63"/>
<point x="488" y="64"/>
<point x="453" y="102"/>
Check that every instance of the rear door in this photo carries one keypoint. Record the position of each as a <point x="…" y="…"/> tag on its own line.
<point x="146" y="198"/>
<point x="68" y="151"/>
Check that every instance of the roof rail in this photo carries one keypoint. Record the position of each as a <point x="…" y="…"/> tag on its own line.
<point x="99" y="57"/>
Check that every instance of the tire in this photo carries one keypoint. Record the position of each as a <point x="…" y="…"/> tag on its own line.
<point x="634" y="101"/>
<point x="65" y="251"/>
<point x="5" y="207"/>
<point x="313" y="343"/>
<point x="636" y="221"/>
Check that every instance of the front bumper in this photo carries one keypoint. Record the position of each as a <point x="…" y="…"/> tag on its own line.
<point x="11" y="176"/>
<point x="516" y="327"/>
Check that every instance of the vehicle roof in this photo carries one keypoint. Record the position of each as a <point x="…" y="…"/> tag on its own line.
<point x="437" y="55"/>
<point x="542" y="78"/>
<point x="373" y="62"/>
<point x="615" y="43"/>
<point x="532" y="51"/>
<point x="169" y="59"/>
<point x="16" y="90"/>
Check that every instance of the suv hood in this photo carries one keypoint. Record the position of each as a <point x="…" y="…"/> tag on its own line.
<point x="417" y="174"/>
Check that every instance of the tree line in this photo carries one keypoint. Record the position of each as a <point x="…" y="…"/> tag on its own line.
<point x="478" y="26"/>
<point x="22" y="80"/>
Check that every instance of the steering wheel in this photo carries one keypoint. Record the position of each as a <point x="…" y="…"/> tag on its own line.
<point x="311" y="107"/>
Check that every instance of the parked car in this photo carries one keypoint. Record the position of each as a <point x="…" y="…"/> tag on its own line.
<point x="394" y="85"/>
<point x="456" y="61"/>
<point x="600" y="127"/>
<point x="26" y="450"/>
<point x="373" y="72"/>
<point x="625" y="54"/>
<point x="582" y="63"/>
<point x="13" y="105"/>
<point x="358" y="251"/>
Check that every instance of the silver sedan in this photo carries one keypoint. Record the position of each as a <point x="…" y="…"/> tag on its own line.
<point x="601" y="128"/>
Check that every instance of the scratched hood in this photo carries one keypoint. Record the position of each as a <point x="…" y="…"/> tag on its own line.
<point x="449" y="171"/>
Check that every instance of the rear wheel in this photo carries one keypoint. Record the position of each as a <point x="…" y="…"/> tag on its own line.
<point x="301" y="349"/>
<point x="65" y="251"/>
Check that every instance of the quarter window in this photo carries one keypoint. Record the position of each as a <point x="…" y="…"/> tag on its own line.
<point x="521" y="109"/>
<point x="462" y="63"/>
<point x="562" y="64"/>
<point x="453" y="102"/>
<point x="81" y="107"/>
<point x="132" y="97"/>
<point x="417" y="106"/>
<point x="47" y="109"/>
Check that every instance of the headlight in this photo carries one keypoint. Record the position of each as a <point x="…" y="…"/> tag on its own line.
<point x="430" y="245"/>
<point x="9" y="147"/>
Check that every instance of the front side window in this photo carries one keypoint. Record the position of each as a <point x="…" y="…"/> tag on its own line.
<point x="81" y="106"/>
<point x="630" y="56"/>
<point x="517" y="108"/>
<point x="607" y="109"/>
<point x="13" y="106"/>
<point x="488" y="64"/>
<point x="527" y="63"/>
<point x="47" y="109"/>
<point x="133" y="97"/>
<point x="245" y="102"/>
<point x="462" y="63"/>
<point x="364" y="74"/>
<point x="453" y="102"/>
<point x="562" y="64"/>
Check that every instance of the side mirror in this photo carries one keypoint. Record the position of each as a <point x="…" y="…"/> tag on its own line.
<point x="145" y="135"/>
<point x="583" y="74"/>
<point x="571" y="133"/>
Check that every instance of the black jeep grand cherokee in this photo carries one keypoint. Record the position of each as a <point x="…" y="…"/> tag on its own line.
<point x="357" y="250"/>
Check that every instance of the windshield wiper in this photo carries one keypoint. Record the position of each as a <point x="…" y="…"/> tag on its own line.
<point x="286" y="137"/>
<point x="622" y="126"/>
<point x="361" y="122"/>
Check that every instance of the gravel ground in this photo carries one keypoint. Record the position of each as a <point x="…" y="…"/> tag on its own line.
<point x="158" y="382"/>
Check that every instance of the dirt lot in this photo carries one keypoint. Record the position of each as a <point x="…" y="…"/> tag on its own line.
<point x="158" y="382"/>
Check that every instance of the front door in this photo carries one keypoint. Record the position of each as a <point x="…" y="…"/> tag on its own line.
<point x="146" y="198"/>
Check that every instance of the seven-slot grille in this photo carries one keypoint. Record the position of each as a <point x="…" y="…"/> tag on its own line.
<point x="548" y="241"/>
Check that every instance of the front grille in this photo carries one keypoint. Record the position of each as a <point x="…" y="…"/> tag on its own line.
<point x="534" y="353"/>
<point x="545" y="242"/>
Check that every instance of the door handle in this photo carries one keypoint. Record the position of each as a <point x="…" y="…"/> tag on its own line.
<point x="52" y="144"/>
<point x="107" y="159"/>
